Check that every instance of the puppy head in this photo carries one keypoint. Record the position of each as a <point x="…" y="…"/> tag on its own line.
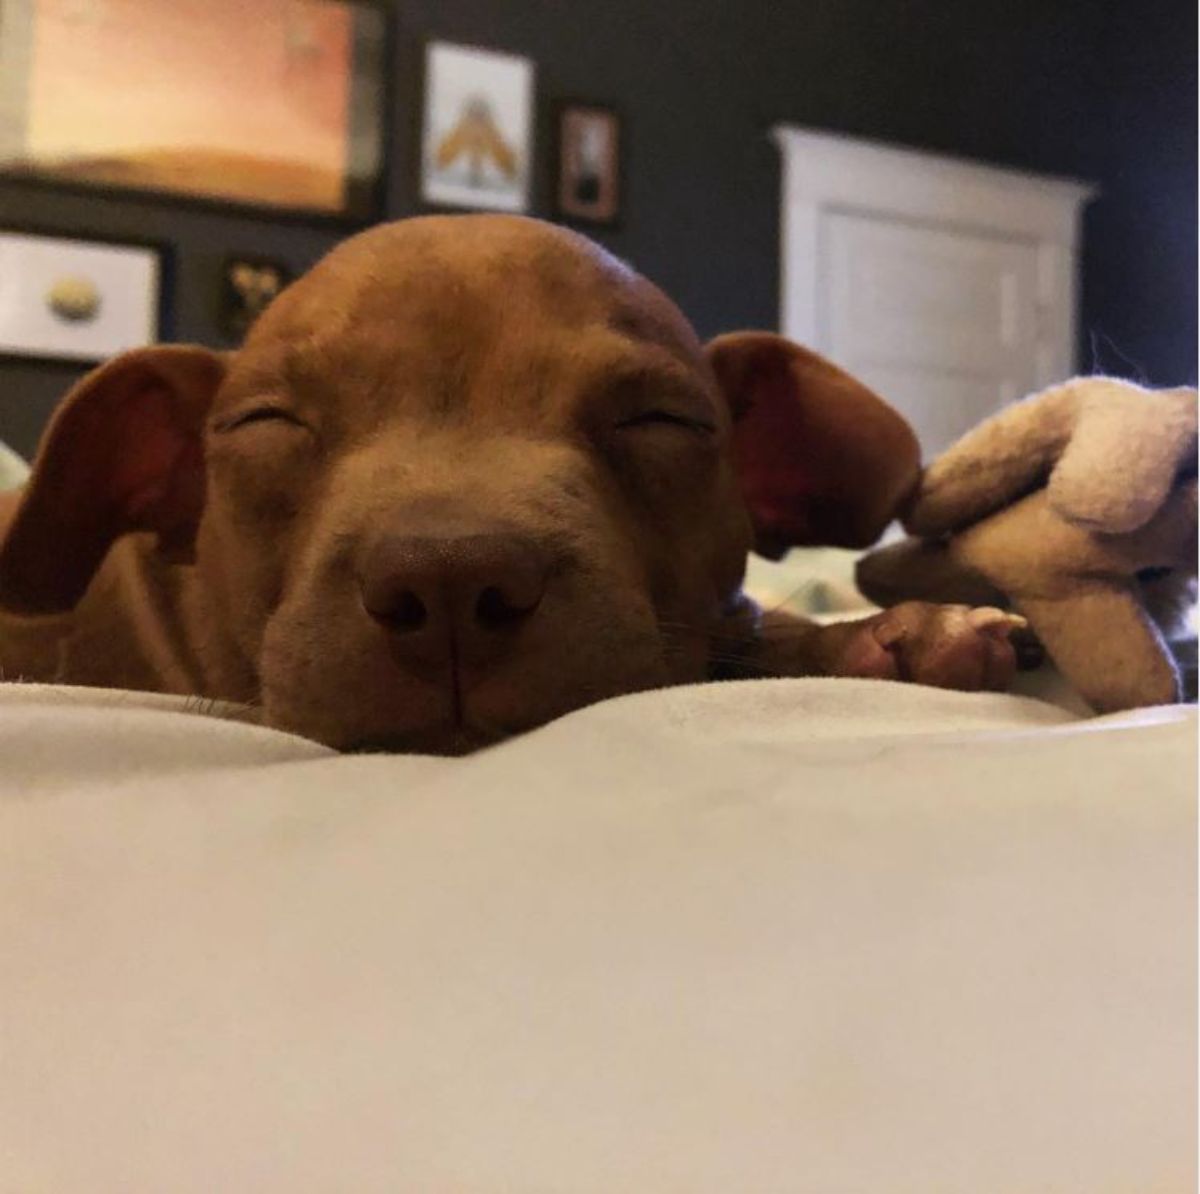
<point x="467" y="474"/>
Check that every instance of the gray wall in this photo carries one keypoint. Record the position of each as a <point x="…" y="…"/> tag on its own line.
<point x="1102" y="92"/>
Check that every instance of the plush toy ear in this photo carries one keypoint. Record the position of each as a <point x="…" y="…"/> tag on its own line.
<point x="821" y="459"/>
<point x="124" y="452"/>
<point x="1112" y="450"/>
<point x="1128" y="451"/>
<point x="1002" y="459"/>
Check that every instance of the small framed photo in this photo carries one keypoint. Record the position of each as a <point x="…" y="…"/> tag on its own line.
<point x="589" y="163"/>
<point x="248" y="285"/>
<point x="277" y="105"/>
<point x="65" y="299"/>
<point x="477" y="134"/>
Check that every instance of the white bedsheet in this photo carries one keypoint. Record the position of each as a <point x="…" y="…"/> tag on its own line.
<point x="811" y="936"/>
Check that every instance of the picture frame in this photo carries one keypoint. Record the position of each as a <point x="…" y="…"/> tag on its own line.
<point x="249" y="284"/>
<point x="477" y="129"/>
<point x="588" y="174"/>
<point x="67" y="299"/>
<point x="313" y="86"/>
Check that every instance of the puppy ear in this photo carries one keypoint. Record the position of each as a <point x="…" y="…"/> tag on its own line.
<point x="124" y="452"/>
<point x="821" y="459"/>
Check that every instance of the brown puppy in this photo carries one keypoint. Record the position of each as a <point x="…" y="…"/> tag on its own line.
<point x="467" y="474"/>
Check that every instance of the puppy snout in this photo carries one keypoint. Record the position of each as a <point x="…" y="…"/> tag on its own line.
<point x="462" y="596"/>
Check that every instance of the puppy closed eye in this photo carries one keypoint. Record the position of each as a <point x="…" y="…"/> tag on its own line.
<point x="662" y="452"/>
<point x="256" y="415"/>
<point x="650" y="419"/>
<point x="264" y="455"/>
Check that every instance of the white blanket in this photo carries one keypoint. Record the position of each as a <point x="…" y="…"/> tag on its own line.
<point x="791" y="936"/>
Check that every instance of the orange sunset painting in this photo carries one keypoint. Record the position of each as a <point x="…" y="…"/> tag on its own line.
<point x="242" y="100"/>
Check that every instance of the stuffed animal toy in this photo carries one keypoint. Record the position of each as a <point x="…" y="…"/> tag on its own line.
<point x="1077" y="509"/>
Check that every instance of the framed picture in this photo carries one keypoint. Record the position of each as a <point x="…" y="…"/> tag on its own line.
<point x="63" y="299"/>
<point x="262" y="103"/>
<point x="589" y="163"/>
<point x="477" y="135"/>
<point x="248" y="284"/>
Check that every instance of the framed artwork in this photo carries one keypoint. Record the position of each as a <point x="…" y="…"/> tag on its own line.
<point x="248" y="284"/>
<point x="256" y="103"/>
<point x="589" y="163"/>
<point x="63" y="299"/>
<point x="477" y="135"/>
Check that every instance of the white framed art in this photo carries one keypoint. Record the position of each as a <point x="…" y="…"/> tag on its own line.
<point x="65" y="299"/>
<point x="477" y="134"/>
<point x="262" y="104"/>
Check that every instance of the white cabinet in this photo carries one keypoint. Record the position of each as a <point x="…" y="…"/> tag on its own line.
<point x="948" y="287"/>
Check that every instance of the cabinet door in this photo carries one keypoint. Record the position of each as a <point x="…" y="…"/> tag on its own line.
<point x="942" y="323"/>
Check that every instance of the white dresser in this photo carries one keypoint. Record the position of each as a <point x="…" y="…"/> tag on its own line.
<point x="947" y="286"/>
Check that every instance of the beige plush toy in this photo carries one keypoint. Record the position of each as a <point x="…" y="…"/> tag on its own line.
<point x="1077" y="508"/>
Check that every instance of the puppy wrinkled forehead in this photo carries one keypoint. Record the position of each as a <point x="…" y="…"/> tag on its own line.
<point x="438" y="303"/>
<point x="449" y="264"/>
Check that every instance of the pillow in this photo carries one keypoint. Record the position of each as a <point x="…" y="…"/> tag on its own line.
<point x="13" y="470"/>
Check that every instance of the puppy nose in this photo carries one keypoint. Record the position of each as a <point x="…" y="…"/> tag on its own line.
<point x="474" y="590"/>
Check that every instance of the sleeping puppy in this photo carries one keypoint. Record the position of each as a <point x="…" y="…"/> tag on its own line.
<point x="467" y="474"/>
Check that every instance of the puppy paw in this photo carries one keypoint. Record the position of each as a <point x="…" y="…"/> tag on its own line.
<point x="947" y="646"/>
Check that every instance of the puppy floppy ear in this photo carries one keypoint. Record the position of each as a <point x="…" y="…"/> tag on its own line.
<point x="124" y="452"/>
<point x="821" y="459"/>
